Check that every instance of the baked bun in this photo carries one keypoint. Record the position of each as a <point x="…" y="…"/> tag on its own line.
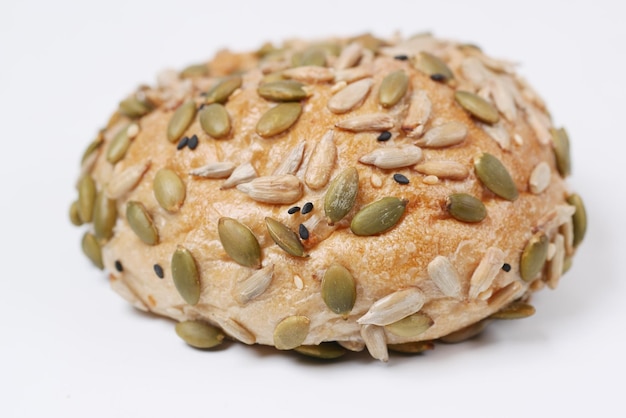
<point x="332" y="195"/>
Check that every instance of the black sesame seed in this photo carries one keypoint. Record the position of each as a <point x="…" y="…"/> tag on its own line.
<point x="182" y="143"/>
<point x="384" y="136"/>
<point x="293" y="210"/>
<point x="307" y="207"/>
<point x="159" y="271"/>
<point x="193" y="142"/>
<point x="304" y="233"/>
<point x="401" y="178"/>
<point x="401" y="57"/>
<point x="118" y="266"/>
<point x="438" y="77"/>
<point x="506" y="267"/>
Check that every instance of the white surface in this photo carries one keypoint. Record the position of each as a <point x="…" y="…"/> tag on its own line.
<point x="70" y="347"/>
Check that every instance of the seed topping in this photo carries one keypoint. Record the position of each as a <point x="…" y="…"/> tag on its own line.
<point x="495" y="176"/>
<point x="104" y="216"/>
<point x="411" y="326"/>
<point x="477" y="106"/>
<point x="384" y="136"/>
<point x="239" y="242"/>
<point x="338" y="289"/>
<point x="378" y="217"/>
<point x="158" y="270"/>
<point x="254" y="285"/>
<point x="293" y="209"/>
<point x="465" y="207"/>
<point x="278" y="119"/>
<point x="350" y="97"/>
<point x="400" y="178"/>
<point x="169" y="190"/>
<point x="448" y="134"/>
<point x="341" y="195"/>
<point x="141" y="223"/>
<point x="560" y="141"/>
<point x="291" y="332"/>
<point x="285" y="238"/>
<point x="86" y="198"/>
<point x="93" y="251"/>
<point x="308" y="207"/>
<point x="222" y="90"/>
<point x="393" y="88"/>
<point x="393" y="157"/>
<point x="180" y="120"/>
<point x="282" y="91"/>
<point x="394" y="307"/>
<point x="215" y="121"/>
<point x="321" y="162"/>
<point x="432" y="65"/>
<point x="185" y="275"/>
<point x="579" y="218"/>
<point x="534" y="256"/>
<point x="303" y="232"/>
<point x="367" y="122"/>
<point x="199" y="334"/>
<point x="283" y="189"/>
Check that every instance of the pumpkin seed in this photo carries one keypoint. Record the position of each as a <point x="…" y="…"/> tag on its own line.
<point x="495" y="176"/>
<point x="169" y="190"/>
<point x="412" y="347"/>
<point x="92" y="147"/>
<point x="477" y="107"/>
<point x="222" y="90"/>
<point x="180" y="120"/>
<point x="285" y="238"/>
<point x="74" y="215"/>
<point x="341" y="194"/>
<point x="282" y="91"/>
<point x="378" y="217"/>
<point x="214" y="120"/>
<point x="465" y="207"/>
<point x="291" y="332"/>
<point x="239" y="242"/>
<point x="534" y="256"/>
<point x="560" y="141"/>
<point x="278" y="119"/>
<point x="185" y="275"/>
<point x="141" y="223"/>
<point x="411" y="326"/>
<point x="313" y="56"/>
<point x="432" y="65"/>
<point x="195" y="70"/>
<point x="466" y="333"/>
<point x="516" y="310"/>
<point x="93" y="251"/>
<point x="119" y="146"/>
<point x="135" y="108"/>
<point x="324" y="351"/>
<point x="86" y="198"/>
<point x="579" y="218"/>
<point x="338" y="289"/>
<point x="104" y="216"/>
<point x="199" y="334"/>
<point x="393" y="88"/>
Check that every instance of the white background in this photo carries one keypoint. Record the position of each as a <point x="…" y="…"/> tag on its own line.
<point x="70" y="347"/>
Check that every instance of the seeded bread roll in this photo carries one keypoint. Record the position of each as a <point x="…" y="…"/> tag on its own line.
<point x="332" y="196"/>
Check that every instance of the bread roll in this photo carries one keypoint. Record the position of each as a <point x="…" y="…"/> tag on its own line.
<point x="332" y="196"/>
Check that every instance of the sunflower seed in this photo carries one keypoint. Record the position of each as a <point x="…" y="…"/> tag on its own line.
<point x="540" y="124"/>
<point x="560" y="141"/>
<point x="214" y="120"/>
<point x="237" y="331"/>
<point x="284" y="189"/>
<point x="375" y="341"/>
<point x="126" y="180"/>
<point x="498" y="133"/>
<point x="411" y="326"/>
<point x="74" y="215"/>
<point x="495" y="176"/>
<point x="534" y="256"/>
<point x="368" y="122"/>
<point x="477" y="106"/>
<point x="199" y="334"/>
<point x="134" y="107"/>
<point x="559" y="215"/>
<point x="539" y="178"/>
<point x="338" y="289"/>
<point x="465" y="207"/>
<point x="278" y="119"/>
<point x="242" y="174"/>
<point x="444" y="275"/>
<point x="419" y="111"/>
<point x="450" y="170"/>
<point x="118" y="146"/>
<point x="180" y="120"/>
<point x="412" y="347"/>
<point x="567" y="229"/>
<point x="579" y="218"/>
<point x="141" y="223"/>
<point x="555" y="269"/>
<point x="393" y="157"/>
<point x="351" y="75"/>
<point x="185" y="275"/>
<point x="466" y="333"/>
<point x="506" y="294"/>
<point x="222" y="90"/>
<point x="350" y="97"/>
<point x="93" y="251"/>
<point x="475" y="71"/>
<point x="393" y="88"/>
<point x="86" y="198"/>
<point x="341" y="195"/>
<point x="169" y="190"/>
<point x="486" y="272"/>
<point x="321" y="163"/>
<point x="285" y="238"/>
<point x="104" y="216"/>
<point x="394" y="307"/>
<point x="239" y="242"/>
<point x="324" y="351"/>
<point x="292" y="162"/>
<point x="356" y="346"/>
<point x="515" y="310"/>
<point x="282" y="91"/>
<point x="430" y="65"/>
<point x="291" y="332"/>
<point x="310" y="74"/>
<point x="350" y="56"/>
<point x="216" y="170"/>
<point x="448" y="134"/>
<point x="253" y="286"/>
<point x="503" y="98"/>
<point x="378" y="217"/>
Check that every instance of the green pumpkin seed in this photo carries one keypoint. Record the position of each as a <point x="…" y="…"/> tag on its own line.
<point x="92" y="147"/>
<point x="495" y="176"/>
<point x="323" y="351"/>
<point x="560" y="141"/>
<point x="135" y="108"/>
<point x="341" y="195"/>
<point x="285" y="238"/>
<point x="515" y="310"/>
<point x="180" y="120"/>
<point x="239" y="242"/>
<point x="185" y="275"/>
<point x="534" y="256"/>
<point x="432" y="65"/>
<point x="338" y="289"/>
<point x="199" y="334"/>
<point x="222" y="90"/>
<point x="215" y="121"/>
<point x="272" y="77"/>
<point x="119" y="146"/>
<point x="104" y="216"/>
<point x="141" y="223"/>
<point x="278" y="119"/>
<point x="86" y="198"/>
<point x="411" y="326"/>
<point x="195" y="70"/>
<point x="291" y="332"/>
<point x="393" y="88"/>
<point x="93" y="251"/>
<point x="169" y="190"/>
<point x="477" y="107"/>
<point x="282" y="91"/>
<point x="416" y="347"/>
<point x="465" y="207"/>
<point x="579" y="218"/>
<point x="567" y="264"/>
<point x="378" y="217"/>
<point x="466" y="333"/>
<point x="74" y="215"/>
<point x="313" y="56"/>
